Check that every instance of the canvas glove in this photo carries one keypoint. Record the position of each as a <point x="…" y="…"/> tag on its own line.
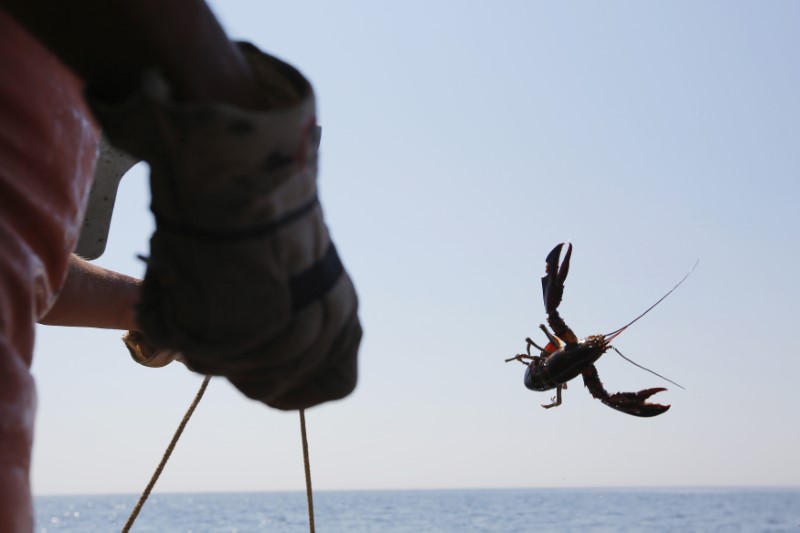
<point x="242" y="277"/>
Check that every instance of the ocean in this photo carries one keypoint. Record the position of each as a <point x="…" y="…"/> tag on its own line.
<point x="501" y="510"/>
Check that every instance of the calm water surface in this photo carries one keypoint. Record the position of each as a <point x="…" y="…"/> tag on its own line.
<point x="435" y="511"/>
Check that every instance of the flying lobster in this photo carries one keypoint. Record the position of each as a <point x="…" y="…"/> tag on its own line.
<point x="566" y="356"/>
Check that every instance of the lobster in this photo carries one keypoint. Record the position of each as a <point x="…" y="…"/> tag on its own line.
<point x="566" y="356"/>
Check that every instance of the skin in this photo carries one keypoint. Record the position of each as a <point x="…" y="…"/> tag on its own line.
<point x="110" y="45"/>
<point x="95" y="297"/>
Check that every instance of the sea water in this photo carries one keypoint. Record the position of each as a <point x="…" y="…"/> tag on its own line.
<point x="510" y="510"/>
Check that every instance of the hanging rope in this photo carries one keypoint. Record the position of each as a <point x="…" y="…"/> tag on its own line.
<point x="143" y="498"/>
<point x="307" y="466"/>
<point x="154" y="478"/>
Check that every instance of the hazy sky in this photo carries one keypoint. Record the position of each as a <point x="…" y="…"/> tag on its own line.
<point x="461" y="142"/>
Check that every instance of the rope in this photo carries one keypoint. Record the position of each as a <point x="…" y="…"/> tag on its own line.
<point x="307" y="466"/>
<point x="143" y="498"/>
<point x="154" y="478"/>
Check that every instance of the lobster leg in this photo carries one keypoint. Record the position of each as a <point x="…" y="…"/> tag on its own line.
<point x="557" y="400"/>
<point x="531" y="343"/>
<point x="553" y="291"/>
<point x="553" y="343"/>
<point x="521" y="356"/>
<point x="632" y="403"/>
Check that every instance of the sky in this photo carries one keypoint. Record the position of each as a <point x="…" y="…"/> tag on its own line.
<point x="459" y="146"/>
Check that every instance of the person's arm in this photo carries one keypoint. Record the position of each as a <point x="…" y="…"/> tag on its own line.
<point x="237" y="167"/>
<point x="95" y="297"/>
<point x="110" y="45"/>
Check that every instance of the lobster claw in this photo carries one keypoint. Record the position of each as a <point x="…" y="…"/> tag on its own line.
<point x="634" y="403"/>
<point x="553" y="280"/>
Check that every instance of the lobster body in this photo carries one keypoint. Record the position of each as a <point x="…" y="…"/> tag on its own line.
<point x="554" y="370"/>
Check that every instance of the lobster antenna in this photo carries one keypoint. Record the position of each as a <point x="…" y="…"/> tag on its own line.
<point x="643" y="368"/>
<point x="613" y="334"/>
